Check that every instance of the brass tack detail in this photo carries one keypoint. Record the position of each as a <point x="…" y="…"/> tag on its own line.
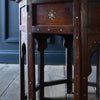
<point x="61" y="30"/>
<point x="38" y="29"/>
<point x="51" y="15"/>
<point x="76" y="93"/>
<point x="30" y="99"/>
<point x="76" y="17"/>
<point x="99" y="41"/>
<point x="48" y="29"/>
<point x="77" y="37"/>
<point x="30" y="82"/>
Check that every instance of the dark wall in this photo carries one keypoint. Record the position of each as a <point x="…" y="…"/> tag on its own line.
<point x="8" y="32"/>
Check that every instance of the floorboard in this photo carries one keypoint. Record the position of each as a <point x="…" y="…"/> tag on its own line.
<point x="9" y="83"/>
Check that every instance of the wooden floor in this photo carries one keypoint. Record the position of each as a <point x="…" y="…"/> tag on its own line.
<point x="9" y="83"/>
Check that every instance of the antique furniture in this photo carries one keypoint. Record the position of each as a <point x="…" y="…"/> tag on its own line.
<point x="74" y="20"/>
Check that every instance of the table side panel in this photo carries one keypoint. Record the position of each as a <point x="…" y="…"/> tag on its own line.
<point x="57" y="17"/>
<point x="55" y="14"/>
<point x="93" y="17"/>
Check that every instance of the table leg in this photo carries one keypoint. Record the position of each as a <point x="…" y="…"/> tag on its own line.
<point x="30" y="54"/>
<point x="22" y="74"/>
<point x="68" y="44"/>
<point x="41" y="73"/>
<point x="31" y="68"/>
<point x="69" y="68"/>
<point x="41" y="46"/>
<point x="77" y="76"/>
<point x="80" y="53"/>
<point x="80" y="73"/>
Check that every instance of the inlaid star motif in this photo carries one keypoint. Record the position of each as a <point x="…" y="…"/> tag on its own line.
<point x="52" y="15"/>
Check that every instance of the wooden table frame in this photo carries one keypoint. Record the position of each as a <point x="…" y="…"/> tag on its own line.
<point x="84" y="46"/>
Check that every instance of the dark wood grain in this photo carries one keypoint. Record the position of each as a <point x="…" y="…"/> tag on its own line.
<point x="93" y="16"/>
<point x="53" y="29"/>
<point x="79" y="19"/>
<point x="42" y="44"/>
<point x="63" y="14"/>
<point x="77" y="52"/>
<point x="31" y="94"/>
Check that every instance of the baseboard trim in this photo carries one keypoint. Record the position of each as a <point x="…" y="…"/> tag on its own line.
<point x="12" y="56"/>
